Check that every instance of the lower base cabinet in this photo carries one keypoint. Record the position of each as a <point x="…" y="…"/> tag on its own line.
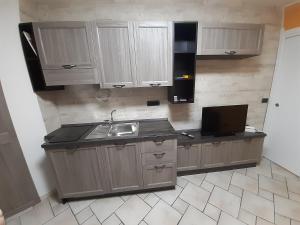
<point x="100" y="170"/>
<point x="214" y="154"/>
<point x="188" y="157"/>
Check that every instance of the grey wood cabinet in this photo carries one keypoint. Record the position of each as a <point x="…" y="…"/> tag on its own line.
<point x="79" y="172"/>
<point x="124" y="167"/>
<point x="230" y="39"/>
<point x="215" y="154"/>
<point x="154" y="46"/>
<point x="66" y="52"/>
<point x="114" y="47"/>
<point x="188" y="157"/>
<point x="159" y="175"/>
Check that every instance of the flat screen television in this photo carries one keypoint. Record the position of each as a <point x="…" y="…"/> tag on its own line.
<point x="224" y="120"/>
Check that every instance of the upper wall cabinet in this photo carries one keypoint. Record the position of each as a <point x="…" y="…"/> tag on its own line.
<point x="230" y="39"/>
<point x="154" y="47"/>
<point x="114" y="46"/>
<point x="66" y="53"/>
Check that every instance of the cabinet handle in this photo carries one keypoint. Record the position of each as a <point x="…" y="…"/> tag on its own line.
<point x="69" y="66"/>
<point x="155" y="85"/>
<point x="231" y="52"/>
<point x="160" y="167"/>
<point x="187" y="146"/>
<point x="119" y="85"/>
<point x="159" y="142"/>
<point x="159" y="155"/>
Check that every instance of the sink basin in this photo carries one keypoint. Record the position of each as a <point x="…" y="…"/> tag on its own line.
<point x="114" y="130"/>
<point x="124" y="129"/>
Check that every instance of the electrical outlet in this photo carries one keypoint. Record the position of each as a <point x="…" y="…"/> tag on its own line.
<point x="264" y="100"/>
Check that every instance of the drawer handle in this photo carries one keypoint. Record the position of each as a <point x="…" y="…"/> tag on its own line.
<point x="119" y="85"/>
<point x="155" y="85"/>
<point x="159" y="142"/>
<point x="230" y="52"/>
<point x="160" y="167"/>
<point x="159" y="155"/>
<point x="69" y="66"/>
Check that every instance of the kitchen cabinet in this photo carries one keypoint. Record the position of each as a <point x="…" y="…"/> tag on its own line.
<point x="154" y="53"/>
<point x="114" y="48"/>
<point x="66" y="52"/>
<point x="215" y="154"/>
<point x="221" y="39"/>
<point x="125" y="167"/>
<point x="188" y="157"/>
<point x="159" y="175"/>
<point x="79" y="172"/>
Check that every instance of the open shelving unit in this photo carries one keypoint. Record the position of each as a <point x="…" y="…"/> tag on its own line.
<point x="184" y="66"/>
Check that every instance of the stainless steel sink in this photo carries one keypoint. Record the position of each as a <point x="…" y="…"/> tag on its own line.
<point x="114" y="130"/>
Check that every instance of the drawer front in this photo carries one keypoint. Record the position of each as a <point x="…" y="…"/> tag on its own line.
<point x="159" y="175"/>
<point x="159" y="146"/>
<point x="70" y="77"/>
<point x="153" y="158"/>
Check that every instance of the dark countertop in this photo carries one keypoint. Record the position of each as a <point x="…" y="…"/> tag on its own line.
<point x="182" y="140"/>
<point x="150" y="129"/>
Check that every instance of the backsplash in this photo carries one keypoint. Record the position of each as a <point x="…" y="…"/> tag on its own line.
<point x="218" y="82"/>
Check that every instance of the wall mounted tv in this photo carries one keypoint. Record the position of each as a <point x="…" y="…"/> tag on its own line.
<point x="224" y="120"/>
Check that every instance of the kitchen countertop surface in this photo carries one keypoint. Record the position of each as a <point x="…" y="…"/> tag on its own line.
<point x="150" y="129"/>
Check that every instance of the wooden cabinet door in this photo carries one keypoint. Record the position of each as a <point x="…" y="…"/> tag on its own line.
<point x="79" y="172"/>
<point x="230" y="39"/>
<point x="188" y="157"/>
<point x="17" y="190"/>
<point x="115" y="51"/>
<point x="125" y="167"/>
<point x="246" y="151"/>
<point x="215" y="154"/>
<point x="64" y="43"/>
<point x="162" y="175"/>
<point x="154" y="46"/>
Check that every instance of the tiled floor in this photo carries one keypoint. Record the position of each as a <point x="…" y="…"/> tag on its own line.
<point x="266" y="194"/>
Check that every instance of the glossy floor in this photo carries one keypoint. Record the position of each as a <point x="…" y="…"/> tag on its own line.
<point x="266" y="194"/>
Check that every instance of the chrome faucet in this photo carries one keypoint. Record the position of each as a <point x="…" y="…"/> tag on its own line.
<point x="111" y="115"/>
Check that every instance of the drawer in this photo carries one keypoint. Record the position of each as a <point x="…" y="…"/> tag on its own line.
<point x="152" y="158"/>
<point x="159" y="146"/>
<point x="71" y="76"/>
<point x="159" y="175"/>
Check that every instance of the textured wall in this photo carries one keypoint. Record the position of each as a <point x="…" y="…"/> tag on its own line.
<point x="218" y="82"/>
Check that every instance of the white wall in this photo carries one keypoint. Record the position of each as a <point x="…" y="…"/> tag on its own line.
<point x="21" y="100"/>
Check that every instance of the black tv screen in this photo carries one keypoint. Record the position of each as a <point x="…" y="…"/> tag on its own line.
<point x="224" y="120"/>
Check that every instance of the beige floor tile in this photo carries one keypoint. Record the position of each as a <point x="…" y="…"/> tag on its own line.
<point x="293" y="186"/>
<point x="266" y="194"/>
<point x="143" y="223"/>
<point x="195" y="217"/>
<point x="258" y="206"/>
<point x="276" y="169"/>
<point x="252" y="173"/>
<point x="281" y="220"/>
<point x="14" y="221"/>
<point x="170" y="195"/>
<point x="245" y="182"/>
<point x="241" y="171"/>
<point x="225" y="201"/>
<point x="143" y="195"/>
<point x="84" y="215"/>
<point x="151" y="199"/>
<point x="39" y="214"/>
<point x="287" y="207"/>
<point x="65" y="218"/>
<point x="103" y="208"/>
<point x="195" y="196"/>
<point x="247" y="217"/>
<point x="264" y="168"/>
<point x="279" y="177"/>
<point x="226" y="219"/>
<point x="126" y="197"/>
<point x="162" y="214"/>
<point x="212" y="211"/>
<point x="181" y="182"/>
<point x="133" y="211"/>
<point x="112" y="220"/>
<point x="261" y="221"/>
<point x="195" y="179"/>
<point x="294" y="196"/>
<point x="273" y="186"/>
<point x="77" y="206"/>
<point x="92" y="221"/>
<point x="236" y="190"/>
<point x="56" y="206"/>
<point x="180" y="205"/>
<point x="219" y="179"/>
<point x="207" y="186"/>
<point x="293" y="222"/>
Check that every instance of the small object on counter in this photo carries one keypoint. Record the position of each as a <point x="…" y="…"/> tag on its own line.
<point x="188" y="135"/>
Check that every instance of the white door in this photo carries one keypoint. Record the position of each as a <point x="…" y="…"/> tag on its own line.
<point x="282" y="124"/>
